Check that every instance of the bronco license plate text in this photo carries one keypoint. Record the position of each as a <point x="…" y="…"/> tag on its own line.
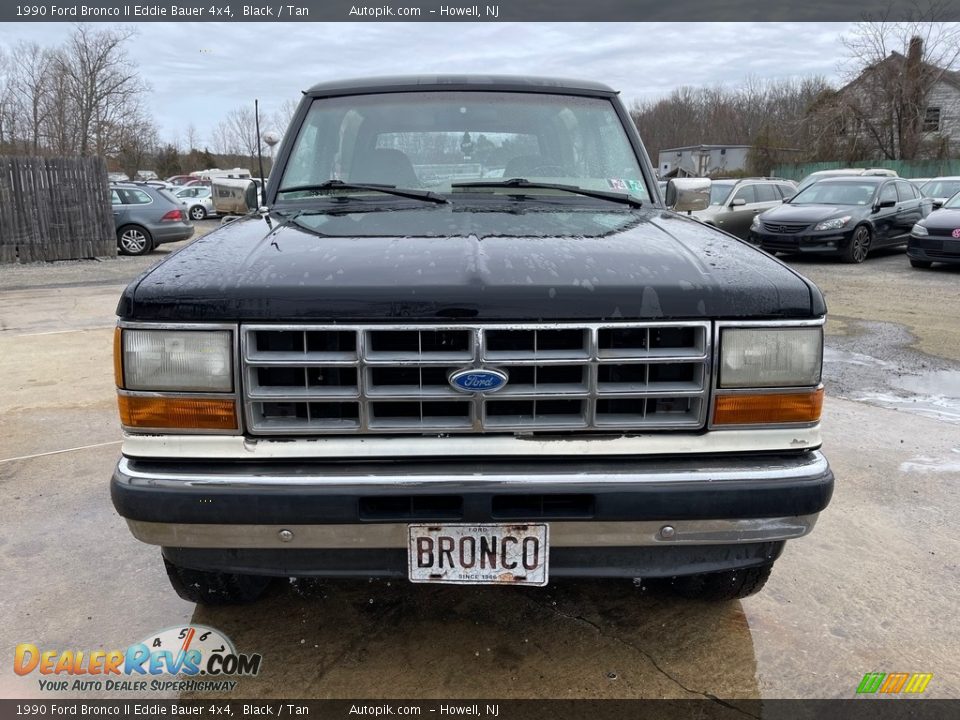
<point x="491" y="554"/>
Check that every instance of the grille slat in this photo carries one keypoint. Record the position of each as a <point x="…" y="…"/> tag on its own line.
<point x="786" y="228"/>
<point x="562" y="377"/>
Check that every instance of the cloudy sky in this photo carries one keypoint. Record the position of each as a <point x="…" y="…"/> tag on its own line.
<point x="197" y="72"/>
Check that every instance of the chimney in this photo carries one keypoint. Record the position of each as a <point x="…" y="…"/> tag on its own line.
<point x="915" y="52"/>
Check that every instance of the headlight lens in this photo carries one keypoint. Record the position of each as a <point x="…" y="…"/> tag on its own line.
<point x="187" y="360"/>
<point x="919" y="230"/>
<point x="770" y="357"/>
<point x="755" y="225"/>
<point x="834" y="224"/>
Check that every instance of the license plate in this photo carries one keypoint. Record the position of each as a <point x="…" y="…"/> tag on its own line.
<point x="490" y="554"/>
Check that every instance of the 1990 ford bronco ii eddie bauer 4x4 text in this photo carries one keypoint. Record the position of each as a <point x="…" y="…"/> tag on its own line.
<point x="467" y="342"/>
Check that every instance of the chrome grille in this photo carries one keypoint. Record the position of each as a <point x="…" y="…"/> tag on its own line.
<point x="319" y="379"/>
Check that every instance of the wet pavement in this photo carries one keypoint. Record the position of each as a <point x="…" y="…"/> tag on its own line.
<point x="874" y="588"/>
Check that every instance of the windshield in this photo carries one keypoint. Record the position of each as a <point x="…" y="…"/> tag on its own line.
<point x="953" y="202"/>
<point x="431" y="140"/>
<point x="836" y="193"/>
<point x="719" y="191"/>
<point x="941" y="188"/>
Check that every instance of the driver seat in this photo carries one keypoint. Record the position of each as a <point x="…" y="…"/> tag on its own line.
<point x="384" y="166"/>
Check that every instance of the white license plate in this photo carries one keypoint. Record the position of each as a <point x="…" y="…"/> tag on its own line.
<point x="490" y="554"/>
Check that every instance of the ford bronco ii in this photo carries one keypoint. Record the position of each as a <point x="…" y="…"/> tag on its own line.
<point x="466" y="341"/>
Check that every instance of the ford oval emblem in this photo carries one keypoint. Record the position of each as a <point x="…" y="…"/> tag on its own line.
<point x="478" y="380"/>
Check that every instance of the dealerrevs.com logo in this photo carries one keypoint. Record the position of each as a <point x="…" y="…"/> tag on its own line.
<point x="190" y="652"/>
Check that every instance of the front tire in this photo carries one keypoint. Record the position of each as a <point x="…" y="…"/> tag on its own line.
<point x="197" y="212"/>
<point x="921" y="264"/>
<point x="134" y="240"/>
<point x="206" y="587"/>
<point x="859" y="246"/>
<point x="722" y="586"/>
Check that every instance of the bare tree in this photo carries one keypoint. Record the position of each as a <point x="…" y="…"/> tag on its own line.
<point x="283" y="115"/>
<point x="100" y="82"/>
<point x="892" y="68"/>
<point x="769" y="111"/>
<point x="222" y="139"/>
<point x="242" y="125"/>
<point x="191" y="136"/>
<point x="7" y="110"/>
<point x="136" y="142"/>
<point x="30" y="81"/>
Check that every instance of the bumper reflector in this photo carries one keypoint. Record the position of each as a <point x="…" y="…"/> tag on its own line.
<point x="766" y="408"/>
<point x="177" y="413"/>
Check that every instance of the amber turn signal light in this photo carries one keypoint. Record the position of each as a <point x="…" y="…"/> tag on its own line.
<point x="177" y="413"/>
<point x="118" y="357"/>
<point x="768" y="408"/>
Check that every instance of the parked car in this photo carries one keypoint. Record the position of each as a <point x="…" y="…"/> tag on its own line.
<point x="844" y="172"/>
<point x="180" y="179"/>
<point x="145" y="216"/>
<point x="198" y="201"/>
<point x="734" y="203"/>
<point x="936" y="238"/>
<point x="161" y="184"/>
<point x="490" y="381"/>
<point x="845" y="216"/>
<point x="940" y="189"/>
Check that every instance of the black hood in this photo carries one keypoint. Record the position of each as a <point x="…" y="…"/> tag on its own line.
<point x="441" y="263"/>
<point x="947" y="219"/>
<point x="810" y="214"/>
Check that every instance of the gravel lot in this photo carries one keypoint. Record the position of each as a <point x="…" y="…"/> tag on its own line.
<point x="872" y="589"/>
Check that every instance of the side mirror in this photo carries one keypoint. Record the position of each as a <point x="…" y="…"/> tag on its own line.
<point x="885" y="204"/>
<point x="688" y="194"/>
<point x="938" y="203"/>
<point x="250" y="196"/>
<point x="737" y="202"/>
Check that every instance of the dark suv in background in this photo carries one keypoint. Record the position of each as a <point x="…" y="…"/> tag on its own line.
<point x="845" y="216"/>
<point x="145" y="216"/>
<point x="734" y="203"/>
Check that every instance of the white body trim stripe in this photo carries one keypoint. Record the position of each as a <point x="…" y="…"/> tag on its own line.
<point x="235" y="447"/>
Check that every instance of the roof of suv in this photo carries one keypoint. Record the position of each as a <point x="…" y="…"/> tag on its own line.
<point x="411" y="83"/>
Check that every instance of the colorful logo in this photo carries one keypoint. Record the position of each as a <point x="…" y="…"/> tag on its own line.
<point x="956" y="233"/>
<point x="192" y="650"/>
<point x="894" y="683"/>
<point x="478" y="380"/>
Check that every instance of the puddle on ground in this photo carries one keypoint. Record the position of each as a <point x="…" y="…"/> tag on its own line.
<point x="933" y="465"/>
<point x="833" y="355"/>
<point x="933" y="393"/>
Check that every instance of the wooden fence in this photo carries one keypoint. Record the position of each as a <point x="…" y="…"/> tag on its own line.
<point x="54" y="209"/>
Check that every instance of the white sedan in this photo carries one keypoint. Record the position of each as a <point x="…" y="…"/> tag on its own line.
<point x="198" y="201"/>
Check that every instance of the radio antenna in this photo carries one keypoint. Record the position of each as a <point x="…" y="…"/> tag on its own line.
<point x="263" y="183"/>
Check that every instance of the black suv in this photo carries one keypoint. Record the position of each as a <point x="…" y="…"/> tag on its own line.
<point x="465" y="342"/>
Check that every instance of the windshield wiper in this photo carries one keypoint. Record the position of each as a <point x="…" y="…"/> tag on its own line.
<point x="524" y="183"/>
<point x="373" y="187"/>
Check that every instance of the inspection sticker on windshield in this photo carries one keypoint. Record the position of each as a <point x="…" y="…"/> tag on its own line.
<point x="489" y="554"/>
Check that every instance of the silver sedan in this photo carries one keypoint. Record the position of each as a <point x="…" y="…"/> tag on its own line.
<point x="198" y="201"/>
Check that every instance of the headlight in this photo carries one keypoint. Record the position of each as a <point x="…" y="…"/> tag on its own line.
<point x="919" y="230"/>
<point x="755" y="225"/>
<point x="770" y="357"/>
<point x="180" y="360"/>
<point x="834" y="224"/>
